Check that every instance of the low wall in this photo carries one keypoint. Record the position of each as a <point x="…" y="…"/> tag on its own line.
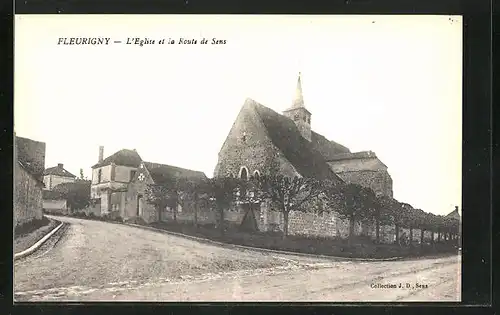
<point x="55" y="206"/>
<point x="204" y="217"/>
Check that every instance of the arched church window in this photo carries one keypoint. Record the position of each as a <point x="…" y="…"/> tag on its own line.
<point x="244" y="173"/>
<point x="256" y="174"/>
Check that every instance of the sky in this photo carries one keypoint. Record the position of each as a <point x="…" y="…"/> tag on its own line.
<point x="389" y="84"/>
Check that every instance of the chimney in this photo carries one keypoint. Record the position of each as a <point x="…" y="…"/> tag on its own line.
<point x="101" y="153"/>
<point x="60" y="165"/>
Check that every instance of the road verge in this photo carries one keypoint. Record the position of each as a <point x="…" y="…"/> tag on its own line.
<point x="37" y="245"/>
<point x="259" y="249"/>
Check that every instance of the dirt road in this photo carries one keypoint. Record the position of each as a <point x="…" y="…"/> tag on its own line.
<point x="102" y="261"/>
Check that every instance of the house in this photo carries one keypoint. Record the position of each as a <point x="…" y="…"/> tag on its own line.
<point x="153" y="174"/>
<point x="110" y="178"/>
<point x="29" y="164"/>
<point x="56" y="175"/>
<point x="119" y="183"/>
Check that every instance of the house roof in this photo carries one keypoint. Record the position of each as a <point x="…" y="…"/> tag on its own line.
<point x="123" y="157"/>
<point x="160" y="173"/>
<point x="454" y="214"/>
<point x="287" y="138"/>
<point x="58" y="171"/>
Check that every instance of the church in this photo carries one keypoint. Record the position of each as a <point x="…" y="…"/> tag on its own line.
<point x="263" y="141"/>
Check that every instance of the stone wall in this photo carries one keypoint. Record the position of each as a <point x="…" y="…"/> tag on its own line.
<point x="27" y="197"/>
<point x="55" y="206"/>
<point x="204" y="217"/>
<point x="247" y="145"/>
<point x="379" y="181"/>
<point x="368" y="171"/>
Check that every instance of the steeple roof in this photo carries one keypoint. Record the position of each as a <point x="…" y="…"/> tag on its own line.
<point x="298" y="100"/>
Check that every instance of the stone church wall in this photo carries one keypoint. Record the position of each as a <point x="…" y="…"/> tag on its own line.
<point x="379" y="181"/>
<point x="248" y="145"/>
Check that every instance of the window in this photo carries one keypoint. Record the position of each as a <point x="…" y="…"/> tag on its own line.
<point x="132" y="174"/>
<point x="296" y="117"/>
<point x="99" y="175"/>
<point x="256" y="174"/>
<point x="244" y="173"/>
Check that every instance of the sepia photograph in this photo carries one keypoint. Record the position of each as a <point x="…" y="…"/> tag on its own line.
<point x="250" y="158"/>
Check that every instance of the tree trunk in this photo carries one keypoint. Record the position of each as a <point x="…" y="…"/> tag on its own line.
<point x="377" y="223"/>
<point x="439" y="237"/>
<point x="285" y="224"/>
<point x="411" y="236"/>
<point x="351" y="231"/>
<point x="195" y="211"/>
<point x="432" y="237"/>
<point x="422" y="232"/>
<point x="221" y="222"/>
<point x="397" y="234"/>
<point x="175" y="213"/>
<point x="159" y="213"/>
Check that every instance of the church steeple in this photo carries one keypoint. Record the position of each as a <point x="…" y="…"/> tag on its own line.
<point x="298" y="101"/>
<point x="298" y="112"/>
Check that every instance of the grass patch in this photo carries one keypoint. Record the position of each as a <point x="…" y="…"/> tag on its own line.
<point x="29" y="233"/>
<point x="361" y="248"/>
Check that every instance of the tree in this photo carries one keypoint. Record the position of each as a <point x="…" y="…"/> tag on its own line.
<point x="356" y="204"/>
<point x="197" y="190"/>
<point x="77" y="194"/>
<point x="395" y="211"/>
<point x="222" y="190"/>
<point x="289" y="194"/>
<point x="81" y="174"/>
<point x="250" y="194"/>
<point x="166" y="193"/>
<point x="409" y="219"/>
<point x="157" y="195"/>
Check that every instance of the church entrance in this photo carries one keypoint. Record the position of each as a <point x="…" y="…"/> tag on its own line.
<point x="249" y="223"/>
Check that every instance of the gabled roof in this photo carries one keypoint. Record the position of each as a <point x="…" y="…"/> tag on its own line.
<point x="285" y="135"/>
<point x="454" y="214"/>
<point x="160" y="173"/>
<point x="123" y="157"/>
<point x="329" y="149"/>
<point x="58" y="171"/>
